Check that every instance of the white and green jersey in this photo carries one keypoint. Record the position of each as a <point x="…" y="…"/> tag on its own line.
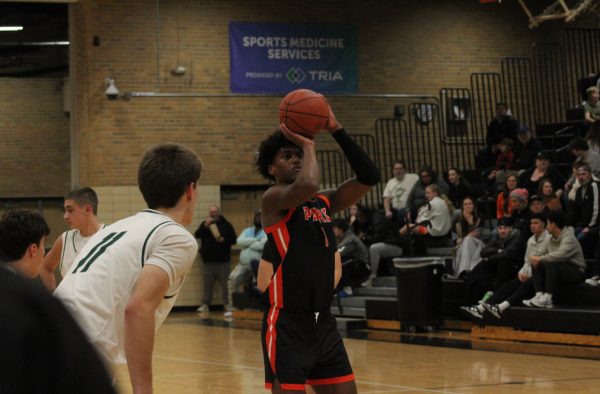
<point x="72" y="243"/>
<point x="98" y="286"/>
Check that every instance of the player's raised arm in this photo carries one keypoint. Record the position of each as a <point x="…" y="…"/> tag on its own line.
<point x="294" y="167"/>
<point x="367" y="173"/>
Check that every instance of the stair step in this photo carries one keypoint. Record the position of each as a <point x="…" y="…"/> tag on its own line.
<point x="356" y="301"/>
<point x="377" y="291"/>
<point x="350" y="323"/>
<point x="384" y="281"/>
<point x="349" y="311"/>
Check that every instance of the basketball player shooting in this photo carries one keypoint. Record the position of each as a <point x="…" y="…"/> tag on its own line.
<point x="300" y="341"/>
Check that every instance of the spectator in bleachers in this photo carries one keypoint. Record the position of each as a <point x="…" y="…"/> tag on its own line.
<point x="530" y="179"/>
<point x="503" y="206"/>
<point x="519" y="200"/>
<point x="458" y="188"/>
<point x="384" y="241"/>
<point x="468" y="229"/>
<point x="526" y="149"/>
<point x="548" y="196"/>
<point x="433" y="223"/>
<point x="579" y="147"/>
<point x="584" y="212"/>
<point x="583" y="84"/>
<point x="504" y="164"/>
<point x="355" y="257"/>
<point x="536" y="205"/>
<point x="362" y="224"/>
<point x="395" y="194"/>
<point x="592" y="116"/>
<point x="502" y="126"/>
<point x="521" y="287"/>
<point x="562" y="265"/>
<point x="416" y="198"/>
<point x="353" y="213"/>
<point x="251" y="240"/>
<point x="499" y="263"/>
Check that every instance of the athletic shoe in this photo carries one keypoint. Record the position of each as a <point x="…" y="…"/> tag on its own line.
<point x="593" y="281"/>
<point x="228" y="315"/>
<point x="493" y="309"/>
<point x="528" y="302"/>
<point x="471" y="311"/>
<point x="343" y="294"/>
<point x="545" y="301"/>
<point x="203" y="308"/>
<point x="367" y="283"/>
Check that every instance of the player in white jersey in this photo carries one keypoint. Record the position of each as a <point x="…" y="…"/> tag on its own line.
<point x="81" y="208"/>
<point x="125" y="280"/>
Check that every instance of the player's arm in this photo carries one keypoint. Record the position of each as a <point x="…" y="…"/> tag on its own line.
<point x="265" y="273"/>
<point x="149" y="291"/>
<point x="337" y="275"/>
<point x="589" y="118"/>
<point x="304" y="187"/>
<point x="51" y="262"/>
<point x="367" y="173"/>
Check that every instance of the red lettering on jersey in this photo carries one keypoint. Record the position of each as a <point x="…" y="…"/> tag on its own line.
<point x="317" y="215"/>
<point x="326" y="218"/>
<point x="307" y="213"/>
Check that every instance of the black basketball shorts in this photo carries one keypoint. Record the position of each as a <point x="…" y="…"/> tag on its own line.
<point x="302" y="348"/>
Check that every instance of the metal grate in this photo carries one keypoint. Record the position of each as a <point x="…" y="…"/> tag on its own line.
<point x="520" y="89"/>
<point x="487" y="91"/>
<point x="551" y="86"/>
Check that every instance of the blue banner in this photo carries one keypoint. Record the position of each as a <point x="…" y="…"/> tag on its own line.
<point x="278" y="58"/>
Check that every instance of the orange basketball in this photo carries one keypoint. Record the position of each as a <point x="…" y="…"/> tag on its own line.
<point x="304" y="112"/>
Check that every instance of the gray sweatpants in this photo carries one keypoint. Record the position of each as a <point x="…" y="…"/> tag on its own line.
<point x="215" y="271"/>
<point x="379" y="250"/>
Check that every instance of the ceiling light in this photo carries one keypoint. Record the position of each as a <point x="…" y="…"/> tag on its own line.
<point x="11" y="28"/>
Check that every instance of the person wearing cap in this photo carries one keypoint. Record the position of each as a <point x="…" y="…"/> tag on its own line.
<point x="563" y="264"/>
<point x="579" y="148"/>
<point x="502" y="126"/>
<point x="530" y="179"/>
<point x="500" y="260"/>
<point x="536" y="205"/>
<point x="584" y="212"/>
<point x="520" y="287"/>
<point x="526" y="149"/>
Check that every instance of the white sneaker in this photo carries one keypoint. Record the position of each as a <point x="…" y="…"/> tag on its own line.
<point x="593" y="281"/>
<point x="367" y="283"/>
<point x="545" y="301"/>
<point x="529" y="301"/>
<point x="228" y="315"/>
<point x="203" y="308"/>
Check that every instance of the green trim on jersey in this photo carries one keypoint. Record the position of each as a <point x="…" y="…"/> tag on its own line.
<point x="148" y="236"/>
<point x="98" y="250"/>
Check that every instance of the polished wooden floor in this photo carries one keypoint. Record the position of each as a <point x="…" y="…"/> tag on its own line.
<point x="198" y="354"/>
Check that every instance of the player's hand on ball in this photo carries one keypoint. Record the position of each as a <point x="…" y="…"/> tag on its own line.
<point x="296" y="138"/>
<point x="332" y="123"/>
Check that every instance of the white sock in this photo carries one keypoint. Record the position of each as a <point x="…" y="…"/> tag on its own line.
<point x="504" y="305"/>
<point x="480" y="308"/>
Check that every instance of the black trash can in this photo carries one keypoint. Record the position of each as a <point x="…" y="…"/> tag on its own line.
<point x="419" y="282"/>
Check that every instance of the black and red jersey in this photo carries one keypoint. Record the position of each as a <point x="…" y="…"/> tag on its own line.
<point x="302" y="248"/>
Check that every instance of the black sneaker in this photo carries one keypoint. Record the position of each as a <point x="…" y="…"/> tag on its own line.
<point x="493" y="309"/>
<point x="471" y="311"/>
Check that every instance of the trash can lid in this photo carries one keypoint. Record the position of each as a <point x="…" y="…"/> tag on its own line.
<point x="416" y="262"/>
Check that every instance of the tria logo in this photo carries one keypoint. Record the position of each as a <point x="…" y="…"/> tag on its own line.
<point x="317" y="215"/>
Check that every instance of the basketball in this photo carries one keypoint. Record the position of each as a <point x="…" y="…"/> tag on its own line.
<point x="304" y="112"/>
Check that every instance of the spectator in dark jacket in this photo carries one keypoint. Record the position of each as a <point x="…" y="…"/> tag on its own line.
<point x="458" y="188"/>
<point x="502" y="126"/>
<point x="500" y="261"/>
<point x="216" y="235"/>
<point x="530" y="179"/>
<point x="584" y="212"/>
<point x="355" y="257"/>
<point x="526" y="149"/>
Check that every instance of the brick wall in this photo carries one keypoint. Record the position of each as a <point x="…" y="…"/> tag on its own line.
<point x="35" y="138"/>
<point x="404" y="47"/>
